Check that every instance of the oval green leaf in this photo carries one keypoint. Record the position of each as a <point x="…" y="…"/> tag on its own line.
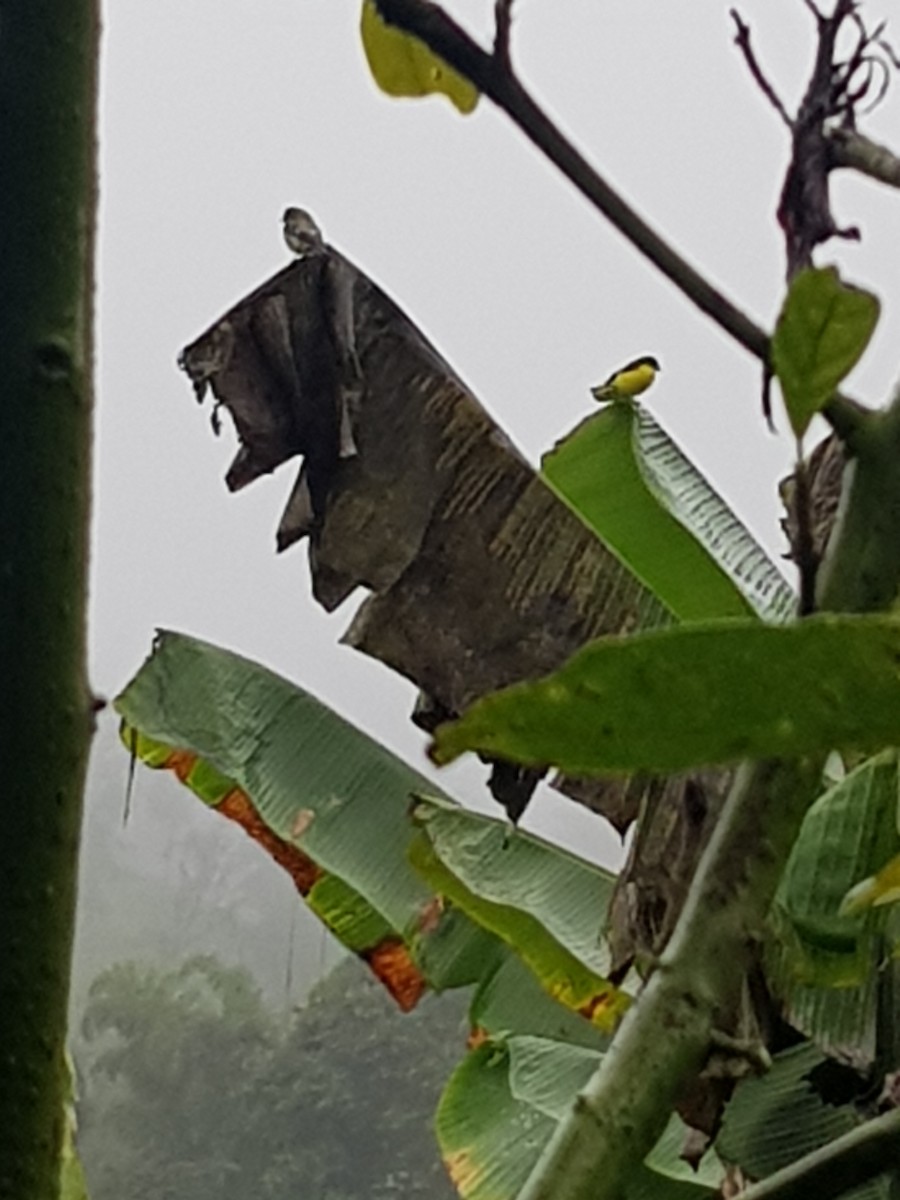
<point x="716" y="692"/>
<point x="822" y="331"/>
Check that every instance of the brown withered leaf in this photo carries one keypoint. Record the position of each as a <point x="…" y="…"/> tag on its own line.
<point x="825" y="472"/>
<point x="677" y="816"/>
<point x="479" y="575"/>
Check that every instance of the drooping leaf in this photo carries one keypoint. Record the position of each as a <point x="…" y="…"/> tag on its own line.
<point x="402" y="65"/>
<point x="324" y="800"/>
<point x="787" y="1113"/>
<point x="511" y="1000"/>
<point x="840" y="1020"/>
<point x="847" y="832"/>
<point x="548" y="905"/>
<point x="502" y="1105"/>
<point x="824" y="963"/>
<point x="488" y="1142"/>
<point x="646" y="500"/>
<point x="822" y="331"/>
<point x="705" y="693"/>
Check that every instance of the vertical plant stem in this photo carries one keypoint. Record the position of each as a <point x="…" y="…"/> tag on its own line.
<point x="666" y="1036"/>
<point x="48" y="71"/>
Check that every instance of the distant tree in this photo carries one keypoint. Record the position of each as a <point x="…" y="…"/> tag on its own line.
<point x="190" y="1089"/>
<point x="172" y="1061"/>
<point x="362" y="1081"/>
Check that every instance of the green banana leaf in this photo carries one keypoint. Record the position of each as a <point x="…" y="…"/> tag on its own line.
<point x="642" y="496"/>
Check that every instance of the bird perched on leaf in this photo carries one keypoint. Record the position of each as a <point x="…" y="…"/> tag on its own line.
<point x="632" y="379"/>
<point x="302" y="234"/>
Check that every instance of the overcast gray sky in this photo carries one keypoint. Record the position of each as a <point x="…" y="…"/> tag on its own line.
<point x="216" y="115"/>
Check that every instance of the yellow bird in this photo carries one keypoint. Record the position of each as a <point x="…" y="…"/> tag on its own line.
<point x="632" y="379"/>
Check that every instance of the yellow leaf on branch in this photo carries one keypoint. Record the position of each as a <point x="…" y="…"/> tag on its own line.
<point x="402" y="65"/>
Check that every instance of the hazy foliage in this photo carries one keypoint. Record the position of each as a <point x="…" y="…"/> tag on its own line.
<point x="192" y="1088"/>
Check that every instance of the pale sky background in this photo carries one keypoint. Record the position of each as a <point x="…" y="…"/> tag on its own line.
<point x="219" y="113"/>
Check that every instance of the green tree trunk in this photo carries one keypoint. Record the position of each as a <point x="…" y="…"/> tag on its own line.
<point x="48" y="73"/>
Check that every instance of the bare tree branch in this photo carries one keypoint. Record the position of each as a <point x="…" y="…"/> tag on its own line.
<point x="804" y="209"/>
<point x="847" y="148"/>
<point x="742" y="39"/>
<point x="495" y="79"/>
<point x="815" y="12"/>
<point x="429" y="23"/>
<point x="502" y="27"/>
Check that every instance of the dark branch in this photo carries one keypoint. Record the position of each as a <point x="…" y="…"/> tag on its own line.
<point x="804" y="210"/>
<point x="885" y="46"/>
<point x="804" y="545"/>
<point x="429" y="23"/>
<point x="742" y="39"/>
<point x="815" y="12"/>
<point x="847" y="148"/>
<point x="502" y="28"/>
<point x="493" y="77"/>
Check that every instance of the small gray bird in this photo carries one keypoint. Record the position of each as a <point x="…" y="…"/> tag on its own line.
<point x="302" y="234"/>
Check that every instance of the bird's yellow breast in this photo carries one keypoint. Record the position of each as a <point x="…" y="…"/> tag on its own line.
<point x="633" y="380"/>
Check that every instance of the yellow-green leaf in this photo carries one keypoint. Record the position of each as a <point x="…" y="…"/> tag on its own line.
<point x="542" y="901"/>
<point x="402" y="65"/>
<point x="881" y="888"/>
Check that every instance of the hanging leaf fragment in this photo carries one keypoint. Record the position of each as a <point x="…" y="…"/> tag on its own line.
<point x="779" y="1117"/>
<point x="853" y="829"/>
<point x="480" y="574"/>
<point x="824" y="956"/>
<point x="822" y="330"/>
<point x="402" y="65"/>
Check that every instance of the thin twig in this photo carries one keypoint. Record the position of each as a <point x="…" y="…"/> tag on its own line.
<point x="742" y="40"/>
<point x="768" y="376"/>
<point x="815" y="12"/>
<point x="502" y="28"/>
<point x="885" y="45"/>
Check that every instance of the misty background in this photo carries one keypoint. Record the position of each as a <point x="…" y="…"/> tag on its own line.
<point x="215" y="117"/>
